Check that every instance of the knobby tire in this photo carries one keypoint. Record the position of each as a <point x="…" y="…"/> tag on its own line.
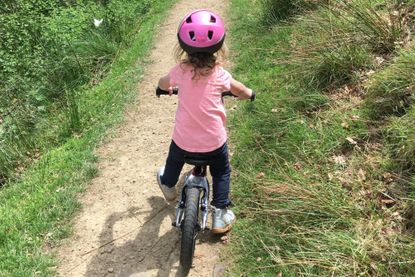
<point x="189" y="228"/>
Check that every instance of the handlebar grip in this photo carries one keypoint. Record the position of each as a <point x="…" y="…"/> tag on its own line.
<point x="228" y="93"/>
<point x="253" y="96"/>
<point x="159" y="91"/>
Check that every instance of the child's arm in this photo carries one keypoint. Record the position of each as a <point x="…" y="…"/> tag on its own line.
<point x="164" y="83"/>
<point x="240" y="90"/>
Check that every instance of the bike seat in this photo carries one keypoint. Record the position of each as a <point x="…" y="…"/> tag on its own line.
<point x="197" y="161"/>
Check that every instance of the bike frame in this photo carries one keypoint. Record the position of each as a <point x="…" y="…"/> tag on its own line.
<point x="196" y="179"/>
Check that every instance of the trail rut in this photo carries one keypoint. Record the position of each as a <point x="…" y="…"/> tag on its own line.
<point x="124" y="228"/>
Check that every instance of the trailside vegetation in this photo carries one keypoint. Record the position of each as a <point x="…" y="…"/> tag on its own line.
<point x="324" y="181"/>
<point x="67" y="68"/>
<point x="50" y="51"/>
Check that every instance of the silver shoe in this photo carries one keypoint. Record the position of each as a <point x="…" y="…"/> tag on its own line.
<point x="222" y="220"/>
<point x="170" y="194"/>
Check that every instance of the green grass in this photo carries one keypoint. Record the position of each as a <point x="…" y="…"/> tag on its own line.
<point x="35" y="211"/>
<point x="400" y="134"/>
<point x="315" y="190"/>
<point x="391" y="90"/>
<point x="274" y="11"/>
<point x="51" y="53"/>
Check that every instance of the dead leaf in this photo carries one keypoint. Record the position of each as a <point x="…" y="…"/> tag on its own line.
<point x="387" y="177"/>
<point x="397" y="216"/>
<point x="224" y="239"/>
<point x="379" y="60"/>
<point x="388" y="201"/>
<point x="345" y="125"/>
<point x="351" y="140"/>
<point x="343" y="182"/>
<point x="355" y="117"/>
<point x="346" y="89"/>
<point x="361" y="175"/>
<point x="260" y="175"/>
<point x="233" y="108"/>
<point x="340" y="160"/>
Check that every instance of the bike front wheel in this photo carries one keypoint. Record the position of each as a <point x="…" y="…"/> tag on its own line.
<point x="189" y="228"/>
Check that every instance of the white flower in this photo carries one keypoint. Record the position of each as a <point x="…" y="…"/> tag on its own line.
<point x="97" y="22"/>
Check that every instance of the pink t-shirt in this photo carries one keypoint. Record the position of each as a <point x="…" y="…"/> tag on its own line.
<point x="200" y="118"/>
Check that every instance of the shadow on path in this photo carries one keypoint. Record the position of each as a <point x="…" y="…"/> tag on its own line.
<point x="148" y="254"/>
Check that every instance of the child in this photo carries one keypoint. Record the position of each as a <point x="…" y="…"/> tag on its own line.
<point x="200" y="117"/>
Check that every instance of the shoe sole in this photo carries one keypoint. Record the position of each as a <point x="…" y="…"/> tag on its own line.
<point x="223" y="230"/>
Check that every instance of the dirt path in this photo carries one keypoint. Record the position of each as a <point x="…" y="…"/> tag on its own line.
<point x="125" y="228"/>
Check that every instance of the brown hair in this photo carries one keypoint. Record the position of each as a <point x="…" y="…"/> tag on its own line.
<point x="202" y="63"/>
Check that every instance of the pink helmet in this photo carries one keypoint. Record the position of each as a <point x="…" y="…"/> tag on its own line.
<point x="201" y="31"/>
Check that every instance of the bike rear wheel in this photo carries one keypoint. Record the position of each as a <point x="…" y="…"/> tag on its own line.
<point x="189" y="228"/>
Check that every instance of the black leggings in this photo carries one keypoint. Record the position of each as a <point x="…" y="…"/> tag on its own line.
<point x="219" y="169"/>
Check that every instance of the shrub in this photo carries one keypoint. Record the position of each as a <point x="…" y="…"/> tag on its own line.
<point x="49" y="48"/>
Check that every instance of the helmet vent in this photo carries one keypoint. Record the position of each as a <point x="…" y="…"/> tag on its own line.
<point x="189" y="19"/>
<point x="212" y="19"/>
<point x="210" y="34"/>
<point x="192" y="36"/>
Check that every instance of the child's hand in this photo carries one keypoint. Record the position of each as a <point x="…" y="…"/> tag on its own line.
<point x="240" y="90"/>
<point x="170" y="90"/>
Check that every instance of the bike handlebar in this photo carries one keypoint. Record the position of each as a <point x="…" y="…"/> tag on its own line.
<point x="159" y="92"/>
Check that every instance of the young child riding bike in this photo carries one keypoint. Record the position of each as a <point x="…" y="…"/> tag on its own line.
<point x="200" y="125"/>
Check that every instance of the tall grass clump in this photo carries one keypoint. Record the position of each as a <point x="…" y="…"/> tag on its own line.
<point x="323" y="55"/>
<point x="391" y="90"/>
<point x="400" y="134"/>
<point x="332" y="46"/>
<point x="383" y="25"/>
<point x="278" y="10"/>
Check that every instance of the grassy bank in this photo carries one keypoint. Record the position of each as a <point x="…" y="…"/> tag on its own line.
<point x="35" y="210"/>
<point x="52" y="51"/>
<point x="324" y="181"/>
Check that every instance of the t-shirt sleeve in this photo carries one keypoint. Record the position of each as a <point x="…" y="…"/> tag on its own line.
<point x="224" y="79"/>
<point x="174" y="74"/>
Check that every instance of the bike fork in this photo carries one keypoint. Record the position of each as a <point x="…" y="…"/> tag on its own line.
<point x="204" y="209"/>
<point x="201" y="183"/>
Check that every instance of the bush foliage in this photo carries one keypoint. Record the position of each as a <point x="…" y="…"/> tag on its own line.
<point x="50" y="49"/>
